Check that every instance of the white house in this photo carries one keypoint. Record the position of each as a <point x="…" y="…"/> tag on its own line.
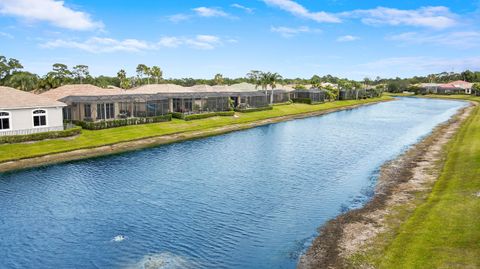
<point x="26" y="113"/>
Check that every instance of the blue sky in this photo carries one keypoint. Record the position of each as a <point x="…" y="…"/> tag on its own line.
<point x="296" y="38"/>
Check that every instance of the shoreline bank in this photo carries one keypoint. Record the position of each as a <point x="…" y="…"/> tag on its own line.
<point x="405" y="181"/>
<point x="148" y="142"/>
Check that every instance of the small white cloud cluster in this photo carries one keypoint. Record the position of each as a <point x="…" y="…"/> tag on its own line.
<point x="107" y="45"/>
<point x="291" y="31"/>
<point x="347" y="38"/>
<point x="300" y="11"/>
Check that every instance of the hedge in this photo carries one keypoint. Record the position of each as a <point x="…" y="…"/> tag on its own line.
<point x="302" y="100"/>
<point x="121" y="122"/>
<point x="182" y="116"/>
<point x="248" y="110"/>
<point x="40" y="136"/>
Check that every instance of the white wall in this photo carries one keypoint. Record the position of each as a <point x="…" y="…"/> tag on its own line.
<point x="21" y="121"/>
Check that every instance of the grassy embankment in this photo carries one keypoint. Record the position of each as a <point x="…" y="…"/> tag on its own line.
<point x="91" y="139"/>
<point x="444" y="229"/>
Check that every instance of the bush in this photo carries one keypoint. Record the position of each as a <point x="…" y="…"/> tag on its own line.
<point x="248" y="110"/>
<point x="178" y="115"/>
<point x="121" y="122"/>
<point x="302" y="100"/>
<point x="208" y="115"/>
<point x="40" y="136"/>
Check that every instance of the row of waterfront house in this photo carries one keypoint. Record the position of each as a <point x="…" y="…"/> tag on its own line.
<point x="455" y="87"/>
<point x="27" y="113"/>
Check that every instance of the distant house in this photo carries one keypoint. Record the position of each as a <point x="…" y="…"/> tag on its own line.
<point x="428" y="88"/>
<point x="26" y="113"/>
<point x="456" y="87"/>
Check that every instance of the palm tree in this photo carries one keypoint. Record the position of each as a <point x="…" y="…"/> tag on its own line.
<point x="264" y="81"/>
<point x="124" y="81"/>
<point x="156" y="73"/>
<point x="273" y="79"/>
<point x="24" y="81"/>
<point x="218" y="79"/>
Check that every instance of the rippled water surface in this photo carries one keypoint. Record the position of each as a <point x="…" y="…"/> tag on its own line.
<point x="249" y="199"/>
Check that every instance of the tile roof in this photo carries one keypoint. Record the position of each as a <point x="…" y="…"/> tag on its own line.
<point x="80" y="90"/>
<point x="12" y="98"/>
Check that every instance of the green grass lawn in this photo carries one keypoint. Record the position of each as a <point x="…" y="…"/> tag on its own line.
<point x="444" y="231"/>
<point x="90" y="139"/>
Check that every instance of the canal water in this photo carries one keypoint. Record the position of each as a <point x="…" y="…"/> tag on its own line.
<point x="249" y="199"/>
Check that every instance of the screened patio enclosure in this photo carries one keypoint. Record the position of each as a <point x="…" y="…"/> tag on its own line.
<point x="107" y="107"/>
<point x="191" y="103"/>
<point x="315" y="95"/>
<point x="279" y="96"/>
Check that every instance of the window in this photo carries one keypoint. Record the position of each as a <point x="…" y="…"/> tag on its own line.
<point x="105" y="111"/>
<point x="4" y="120"/>
<point x="39" y="118"/>
<point x="87" y="110"/>
<point x="67" y="113"/>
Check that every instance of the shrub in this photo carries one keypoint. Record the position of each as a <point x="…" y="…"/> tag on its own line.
<point x="302" y="100"/>
<point x="40" y="136"/>
<point x="248" y="110"/>
<point x="121" y="122"/>
<point x="178" y="115"/>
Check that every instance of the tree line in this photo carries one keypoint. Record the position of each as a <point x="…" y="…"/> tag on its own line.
<point x="13" y="75"/>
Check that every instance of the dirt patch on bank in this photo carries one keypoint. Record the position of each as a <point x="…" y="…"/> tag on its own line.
<point x="155" y="141"/>
<point x="399" y="181"/>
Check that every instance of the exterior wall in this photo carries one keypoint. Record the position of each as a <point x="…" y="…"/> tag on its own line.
<point x="21" y="121"/>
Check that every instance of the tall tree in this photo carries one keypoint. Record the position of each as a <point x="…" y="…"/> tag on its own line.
<point x="24" y="81"/>
<point x="8" y="66"/>
<point x="59" y="76"/>
<point x="124" y="81"/>
<point x="141" y="70"/>
<point x="273" y="79"/>
<point x="218" y="79"/>
<point x="254" y="77"/>
<point x="81" y="72"/>
<point x="156" y="73"/>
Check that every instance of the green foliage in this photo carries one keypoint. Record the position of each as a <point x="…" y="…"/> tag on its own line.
<point x="40" y="136"/>
<point x="98" y="125"/>
<point x="187" y="117"/>
<point x="302" y="100"/>
<point x="248" y="110"/>
<point x="24" y="81"/>
<point x="476" y="89"/>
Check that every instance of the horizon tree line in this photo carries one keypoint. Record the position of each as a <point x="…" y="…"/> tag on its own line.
<point x="13" y="75"/>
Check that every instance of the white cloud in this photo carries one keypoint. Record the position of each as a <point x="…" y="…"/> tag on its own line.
<point x="204" y="42"/>
<point x="347" y="38"/>
<point x="300" y="11"/>
<point x="176" y="18"/>
<point x="6" y="35"/>
<point x="110" y="45"/>
<point x="51" y="11"/>
<point x="438" y="17"/>
<point x="101" y="45"/>
<point x="210" y="12"/>
<point x="289" y="31"/>
<point x="170" y="42"/>
<point x="462" y="39"/>
<point x="244" y="8"/>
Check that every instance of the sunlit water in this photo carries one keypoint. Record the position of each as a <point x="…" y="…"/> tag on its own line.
<point x="249" y="199"/>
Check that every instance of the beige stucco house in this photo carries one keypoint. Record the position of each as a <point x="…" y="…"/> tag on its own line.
<point x="26" y="113"/>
